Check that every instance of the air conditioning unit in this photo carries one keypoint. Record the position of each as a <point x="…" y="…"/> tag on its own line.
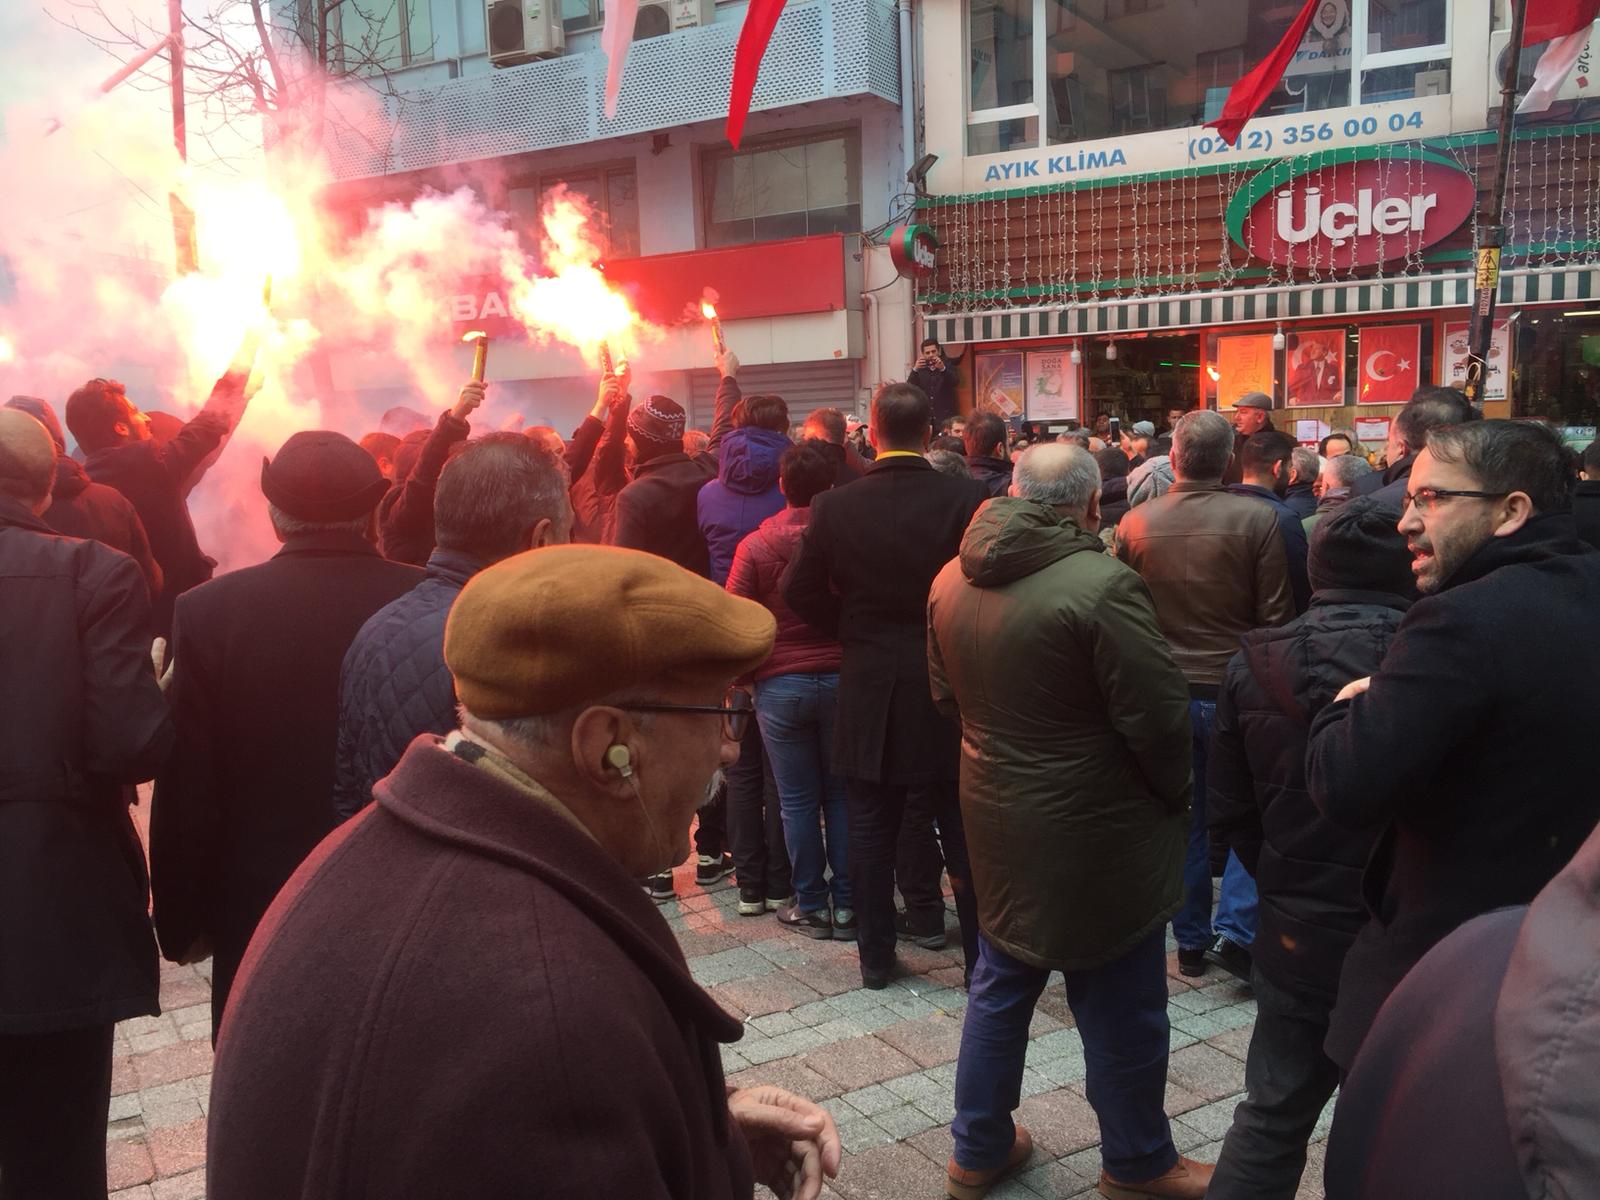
<point x="1582" y="84"/>
<point x="656" y="17"/>
<point x="523" y="30"/>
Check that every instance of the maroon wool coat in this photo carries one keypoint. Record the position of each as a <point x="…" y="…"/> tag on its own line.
<point x="461" y="994"/>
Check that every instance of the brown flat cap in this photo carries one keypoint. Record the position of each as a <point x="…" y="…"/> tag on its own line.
<point x="556" y="628"/>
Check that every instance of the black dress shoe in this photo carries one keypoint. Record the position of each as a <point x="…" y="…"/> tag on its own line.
<point x="928" y="937"/>
<point x="1231" y="957"/>
<point x="1191" y="963"/>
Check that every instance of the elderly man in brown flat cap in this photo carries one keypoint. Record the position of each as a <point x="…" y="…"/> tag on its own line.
<point x="464" y="992"/>
<point x="248" y="792"/>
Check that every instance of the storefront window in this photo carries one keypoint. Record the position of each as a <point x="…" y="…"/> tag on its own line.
<point x="1053" y="72"/>
<point x="1556" y="368"/>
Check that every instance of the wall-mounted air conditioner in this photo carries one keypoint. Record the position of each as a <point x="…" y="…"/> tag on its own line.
<point x="523" y="30"/>
<point x="1582" y="84"/>
<point x="657" y="17"/>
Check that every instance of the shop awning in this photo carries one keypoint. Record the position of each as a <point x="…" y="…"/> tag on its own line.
<point x="1290" y="302"/>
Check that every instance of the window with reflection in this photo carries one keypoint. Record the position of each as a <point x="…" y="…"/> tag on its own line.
<point x="1053" y="72"/>
<point x="609" y="192"/>
<point x="796" y="187"/>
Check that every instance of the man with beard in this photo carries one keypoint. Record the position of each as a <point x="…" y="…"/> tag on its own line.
<point x="471" y="957"/>
<point x="1464" y="741"/>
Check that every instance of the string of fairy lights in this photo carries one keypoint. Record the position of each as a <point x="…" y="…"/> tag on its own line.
<point x="1168" y="234"/>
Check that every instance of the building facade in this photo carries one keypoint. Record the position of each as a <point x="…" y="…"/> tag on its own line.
<point x="790" y="230"/>
<point x="1101" y="251"/>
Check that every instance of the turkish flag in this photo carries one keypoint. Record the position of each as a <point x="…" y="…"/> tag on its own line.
<point x="1253" y="89"/>
<point x="1565" y="24"/>
<point x="760" y="19"/>
<point x="1390" y="363"/>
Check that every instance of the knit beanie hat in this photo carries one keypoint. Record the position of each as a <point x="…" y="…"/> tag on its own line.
<point x="1357" y="546"/>
<point x="659" y="420"/>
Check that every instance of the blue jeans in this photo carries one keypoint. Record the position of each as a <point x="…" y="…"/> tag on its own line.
<point x="796" y="714"/>
<point x="1121" y="1011"/>
<point x="1236" y="903"/>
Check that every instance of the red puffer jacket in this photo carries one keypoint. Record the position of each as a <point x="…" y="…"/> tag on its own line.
<point x="758" y="566"/>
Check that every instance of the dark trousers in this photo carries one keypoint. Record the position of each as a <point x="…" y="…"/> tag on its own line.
<point x="55" y="1095"/>
<point x="1121" y="1012"/>
<point x="877" y="811"/>
<point x="1288" y="1080"/>
<point x="711" y="824"/>
<point x="755" y="821"/>
<point x="918" y="864"/>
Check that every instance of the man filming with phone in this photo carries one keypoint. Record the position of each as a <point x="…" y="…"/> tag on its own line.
<point x="933" y="374"/>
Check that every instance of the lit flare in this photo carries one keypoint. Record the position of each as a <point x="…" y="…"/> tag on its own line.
<point x="480" y="352"/>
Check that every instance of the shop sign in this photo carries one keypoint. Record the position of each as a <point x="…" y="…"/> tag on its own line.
<point x="912" y="249"/>
<point x="1351" y="208"/>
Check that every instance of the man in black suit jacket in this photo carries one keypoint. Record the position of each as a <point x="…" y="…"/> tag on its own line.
<point x="248" y="792"/>
<point x="863" y="574"/>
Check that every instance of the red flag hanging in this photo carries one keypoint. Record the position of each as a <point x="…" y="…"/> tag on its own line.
<point x="1252" y="90"/>
<point x="1390" y="363"/>
<point x="1565" y="24"/>
<point x="760" y="19"/>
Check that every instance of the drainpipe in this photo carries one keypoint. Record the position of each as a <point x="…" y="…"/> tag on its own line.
<point x="908" y="92"/>
<point x="908" y="138"/>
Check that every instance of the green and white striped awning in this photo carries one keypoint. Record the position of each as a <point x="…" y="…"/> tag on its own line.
<point x="1245" y="305"/>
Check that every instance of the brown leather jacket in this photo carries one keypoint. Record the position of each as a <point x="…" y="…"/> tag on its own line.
<point x="1214" y="564"/>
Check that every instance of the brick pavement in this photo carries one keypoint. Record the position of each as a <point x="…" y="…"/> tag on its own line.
<point x="882" y="1062"/>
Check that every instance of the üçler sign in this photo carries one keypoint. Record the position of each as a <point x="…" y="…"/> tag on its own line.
<point x="911" y="249"/>
<point x="1351" y="208"/>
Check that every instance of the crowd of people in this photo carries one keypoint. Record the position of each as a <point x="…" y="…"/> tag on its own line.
<point x="420" y="776"/>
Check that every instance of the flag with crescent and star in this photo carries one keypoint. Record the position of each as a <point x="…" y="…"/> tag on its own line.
<point x="1390" y="363"/>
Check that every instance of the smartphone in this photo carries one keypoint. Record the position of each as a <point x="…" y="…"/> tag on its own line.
<point x="1115" y="432"/>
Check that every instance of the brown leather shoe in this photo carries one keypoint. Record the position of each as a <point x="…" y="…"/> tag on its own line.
<point x="961" y="1184"/>
<point x="1186" y="1181"/>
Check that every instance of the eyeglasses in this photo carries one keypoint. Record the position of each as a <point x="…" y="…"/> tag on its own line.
<point x="1428" y="498"/>
<point x="735" y="710"/>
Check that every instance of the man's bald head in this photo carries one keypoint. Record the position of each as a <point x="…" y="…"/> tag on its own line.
<point x="1063" y="476"/>
<point x="27" y="460"/>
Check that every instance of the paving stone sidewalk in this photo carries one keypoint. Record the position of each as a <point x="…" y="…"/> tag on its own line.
<point x="882" y="1062"/>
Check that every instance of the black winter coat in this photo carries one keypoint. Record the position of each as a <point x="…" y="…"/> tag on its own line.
<point x="659" y="511"/>
<point x="863" y="573"/>
<point x="405" y="517"/>
<point x="1301" y="499"/>
<point x="255" y="697"/>
<point x="1307" y="869"/>
<point x="993" y="473"/>
<point x="81" y="508"/>
<point x="81" y="718"/>
<point x="394" y="684"/>
<point x="155" y="480"/>
<point x="940" y="388"/>
<point x="1586" y="511"/>
<point x="1463" y="746"/>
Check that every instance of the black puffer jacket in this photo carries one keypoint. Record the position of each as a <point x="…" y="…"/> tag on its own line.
<point x="394" y="684"/>
<point x="1307" y="869"/>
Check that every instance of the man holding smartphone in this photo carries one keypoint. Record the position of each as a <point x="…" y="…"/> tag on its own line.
<point x="933" y="375"/>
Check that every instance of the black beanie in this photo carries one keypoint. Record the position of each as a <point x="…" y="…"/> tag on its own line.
<point x="1357" y="547"/>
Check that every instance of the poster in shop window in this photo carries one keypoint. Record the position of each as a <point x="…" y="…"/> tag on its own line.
<point x="998" y="384"/>
<point x="1244" y="365"/>
<point x="1052" y="386"/>
<point x="1454" y="358"/>
<point x="1315" y="364"/>
<point x="1390" y="358"/>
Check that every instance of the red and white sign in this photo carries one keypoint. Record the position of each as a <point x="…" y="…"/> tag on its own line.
<point x="1354" y="213"/>
<point x="1390" y="358"/>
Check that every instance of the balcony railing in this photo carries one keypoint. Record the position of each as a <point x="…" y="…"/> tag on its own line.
<point x="820" y="50"/>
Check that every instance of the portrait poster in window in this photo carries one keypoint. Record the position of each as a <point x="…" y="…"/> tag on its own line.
<point x="1315" y="368"/>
